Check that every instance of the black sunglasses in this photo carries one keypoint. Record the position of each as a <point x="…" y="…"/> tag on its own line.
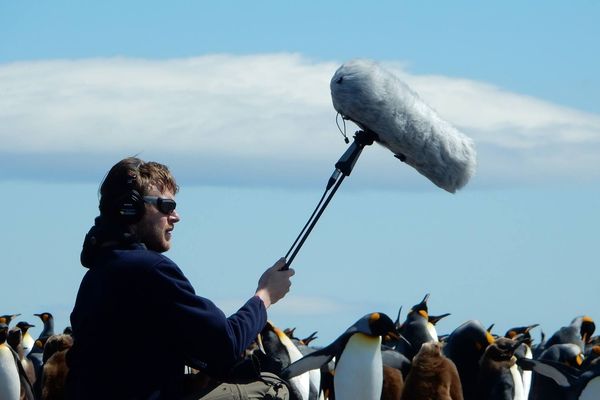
<point x="164" y="205"/>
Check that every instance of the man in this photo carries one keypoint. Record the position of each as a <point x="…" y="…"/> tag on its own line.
<point x="137" y="321"/>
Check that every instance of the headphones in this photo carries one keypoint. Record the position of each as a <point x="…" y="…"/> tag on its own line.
<point x="129" y="207"/>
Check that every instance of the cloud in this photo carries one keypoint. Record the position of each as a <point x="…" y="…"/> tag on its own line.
<point x="260" y="120"/>
<point x="294" y="306"/>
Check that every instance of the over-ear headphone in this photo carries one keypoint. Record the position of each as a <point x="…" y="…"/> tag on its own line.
<point x="129" y="207"/>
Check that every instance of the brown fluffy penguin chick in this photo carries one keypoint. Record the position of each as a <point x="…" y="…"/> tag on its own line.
<point x="432" y="376"/>
<point x="55" y="344"/>
<point x="393" y="383"/>
<point x="55" y="369"/>
<point x="55" y="376"/>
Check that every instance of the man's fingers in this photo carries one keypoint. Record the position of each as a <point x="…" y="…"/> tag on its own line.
<point x="280" y="264"/>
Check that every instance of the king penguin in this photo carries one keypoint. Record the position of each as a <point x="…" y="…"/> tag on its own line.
<point x="278" y="352"/>
<point x="10" y="383"/>
<point x="27" y="338"/>
<point x="358" y="368"/>
<point x="24" y="366"/>
<point x="416" y="328"/>
<point x="48" y="321"/>
<point x="465" y="347"/>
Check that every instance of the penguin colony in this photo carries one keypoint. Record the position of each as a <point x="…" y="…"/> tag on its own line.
<point x="375" y="358"/>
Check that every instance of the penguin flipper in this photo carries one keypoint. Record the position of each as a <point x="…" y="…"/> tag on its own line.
<point x="309" y="362"/>
<point x="563" y="375"/>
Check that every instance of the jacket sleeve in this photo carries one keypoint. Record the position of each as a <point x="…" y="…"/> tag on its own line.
<point x="206" y="338"/>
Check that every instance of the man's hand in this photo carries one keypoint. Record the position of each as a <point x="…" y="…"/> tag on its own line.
<point x="274" y="283"/>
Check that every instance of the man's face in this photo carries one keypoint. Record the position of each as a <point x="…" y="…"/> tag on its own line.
<point x="155" y="228"/>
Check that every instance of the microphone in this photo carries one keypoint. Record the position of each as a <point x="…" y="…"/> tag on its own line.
<point x="379" y="102"/>
<point x="391" y="114"/>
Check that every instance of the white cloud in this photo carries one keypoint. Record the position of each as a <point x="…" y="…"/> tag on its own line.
<point x="256" y="118"/>
<point x="293" y="306"/>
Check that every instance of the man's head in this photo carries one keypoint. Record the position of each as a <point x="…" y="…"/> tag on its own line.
<point x="140" y="196"/>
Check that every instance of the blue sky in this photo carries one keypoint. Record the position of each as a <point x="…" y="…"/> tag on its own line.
<point x="234" y="97"/>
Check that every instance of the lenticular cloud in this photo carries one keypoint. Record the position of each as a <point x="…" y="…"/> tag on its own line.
<point x="262" y="118"/>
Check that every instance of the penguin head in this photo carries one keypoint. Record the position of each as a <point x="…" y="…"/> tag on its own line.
<point x="290" y="333"/>
<point x="522" y="331"/>
<point x="272" y="342"/>
<point x="469" y="338"/>
<point x="24" y="326"/>
<point x="375" y="324"/>
<point x="306" y="341"/>
<point x="419" y="310"/>
<point x="5" y="319"/>
<point x="46" y="316"/>
<point x="429" y="350"/>
<point x="434" y="319"/>
<point x="503" y="349"/>
<point x="15" y="338"/>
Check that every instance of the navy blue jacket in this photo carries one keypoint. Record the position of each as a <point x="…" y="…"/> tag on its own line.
<point x="137" y="322"/>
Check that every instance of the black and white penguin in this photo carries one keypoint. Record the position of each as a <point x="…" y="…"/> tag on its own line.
<point x="279" y="352"/>
<point x="432" y="376"/>
<point x="358" y="362"/>
<point x="416" y="328"/>
<point x="578" y="332"/>
<point x="303" y="346"/>
<point x="465" y="347"/>
<point x="26" y="373"/>
<point x="27" y="338"/>
<point x="10" y="383"/>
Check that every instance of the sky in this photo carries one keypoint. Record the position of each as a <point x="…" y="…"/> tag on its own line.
<point x="234" y="97"/>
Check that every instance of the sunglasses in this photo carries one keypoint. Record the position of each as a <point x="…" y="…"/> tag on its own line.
<point x="164" y="205"/>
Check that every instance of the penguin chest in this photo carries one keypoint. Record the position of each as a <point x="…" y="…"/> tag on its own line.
<point x="301" y="383"/>
<point x="519" y="392"/>
<point x="10" y="386"/>
<point x="27" y="343"/>
<point x="526" y="375"/>
<point x="359" y="371"/>
<point x="432" y="332"/>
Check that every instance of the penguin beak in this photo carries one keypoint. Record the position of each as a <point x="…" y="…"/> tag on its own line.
<point x="435" y="319"/>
